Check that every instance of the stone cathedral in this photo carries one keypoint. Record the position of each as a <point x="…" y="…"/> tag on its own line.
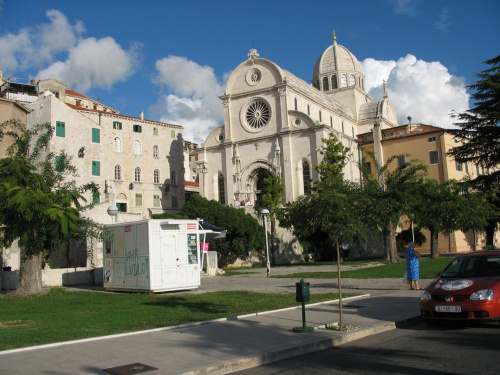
<point x="274" y="123"/>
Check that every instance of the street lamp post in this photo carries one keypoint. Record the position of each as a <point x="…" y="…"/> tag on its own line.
<point x="264" y="213"/>
<point x="113" y="211"/>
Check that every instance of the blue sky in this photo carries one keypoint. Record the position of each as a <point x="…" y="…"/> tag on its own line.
<point x="172" y="58"/>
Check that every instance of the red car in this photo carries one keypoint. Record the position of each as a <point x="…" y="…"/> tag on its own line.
<point x="467" y="290"/>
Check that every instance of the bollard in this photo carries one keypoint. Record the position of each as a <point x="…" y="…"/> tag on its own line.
<point x="303" y="295"/>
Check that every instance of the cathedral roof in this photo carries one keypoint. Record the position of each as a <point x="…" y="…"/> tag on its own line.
<point x="309" y="91"/>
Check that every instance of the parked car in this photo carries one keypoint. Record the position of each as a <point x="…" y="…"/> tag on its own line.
<point x="467" y="290"/>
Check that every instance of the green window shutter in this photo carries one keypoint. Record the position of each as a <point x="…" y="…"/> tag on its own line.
<point x="96" y="168"/>
<point x="155" y="131"/>
<point x="60" y="129"/>
<point x="58" y="166"/>
<point x="137" y="128"/>
<point x="117" y="125"/>
<point x="172" y="133"/>
<point x="96" y="135"/>
<point x="96" y="198"/>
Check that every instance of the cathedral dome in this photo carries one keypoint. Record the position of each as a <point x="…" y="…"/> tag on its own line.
<point x="345" y="61"/>
<point x="337" y="68"/>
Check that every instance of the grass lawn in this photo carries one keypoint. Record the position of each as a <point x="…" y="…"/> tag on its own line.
<point x="428" y="269"/>
<point x="61" y="315"/>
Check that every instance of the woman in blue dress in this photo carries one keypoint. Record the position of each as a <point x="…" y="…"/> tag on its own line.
<point x="412" y="266"/>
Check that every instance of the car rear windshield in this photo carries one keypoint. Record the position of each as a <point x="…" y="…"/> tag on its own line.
<point x="474" y="267"/>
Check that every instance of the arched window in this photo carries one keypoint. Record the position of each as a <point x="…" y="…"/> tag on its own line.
<point x="156" y="151"/>
<point x="343" y="80"/>
<point x="352" y="80"/>
<point x="334" y="82"/>
<point x="222" y="191"/>
<point x="117" y="145"/>
<point x="296" y="106"/>
<point x="325" y="84"/>
<point x="173" y="178"/>
<point x="137" y="174"/>
<point x="156" y="177"/>
<point x="306" y="176"/>
<point x="118" y="172"/>
<point x="137" y="148"/>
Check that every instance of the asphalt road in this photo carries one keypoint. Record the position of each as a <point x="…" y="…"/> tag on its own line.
<point x="417" y="349"/>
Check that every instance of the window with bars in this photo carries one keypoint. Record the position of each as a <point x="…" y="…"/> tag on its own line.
<point x="156" y="176"/>
<point x="118" y="172"/>
<point x="137" y="174"/>
<point x="306" y="176"/>
<point x="156" y="151"/>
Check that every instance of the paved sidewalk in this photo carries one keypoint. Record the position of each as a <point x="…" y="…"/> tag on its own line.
<point x="226" y="345"/>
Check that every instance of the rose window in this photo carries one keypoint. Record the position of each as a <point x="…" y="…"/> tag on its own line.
<point x="257" y="114"/>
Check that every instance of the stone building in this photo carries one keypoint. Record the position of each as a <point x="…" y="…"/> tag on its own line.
<point x="274" y="124"/>
<point x="138" y="164"/>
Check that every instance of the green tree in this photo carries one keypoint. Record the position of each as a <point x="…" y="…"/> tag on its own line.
<point x="40" y="206"/>
<point x="244" y="234"/>
<point x="480" y="129"/>
<point x="387" y="195"/>
<point x="448" y="207"/>
<point x="334" y="209"/>
<point x="272" y="197"/>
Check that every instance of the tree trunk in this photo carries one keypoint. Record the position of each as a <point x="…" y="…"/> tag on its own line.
<point x="490" y="232"/>
<point x="341" y="311"/>
<point x="273" y="240"/>
<point x="434" y="244"/>
<point x="30" y="281"/>
<point x="391" y="252"/>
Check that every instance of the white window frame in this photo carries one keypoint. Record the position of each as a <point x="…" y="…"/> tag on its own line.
<point x="117" y="144"/>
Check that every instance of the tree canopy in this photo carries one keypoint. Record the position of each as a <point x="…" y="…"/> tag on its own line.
<point x="244" y="233"/>
<point x="387" y="195"/>
<point x="40" y="205"/>
<point x="479" y="127"/>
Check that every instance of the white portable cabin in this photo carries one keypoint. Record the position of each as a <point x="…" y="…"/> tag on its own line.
<point x="156" y="255"/>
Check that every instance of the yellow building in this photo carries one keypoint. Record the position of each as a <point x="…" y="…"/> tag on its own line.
<point x="430" y="145"/>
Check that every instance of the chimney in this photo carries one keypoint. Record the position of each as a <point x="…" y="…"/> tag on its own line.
<point x="33" y="82"/>
<point x="98" y="100"/>
<point x="142" y="115"/>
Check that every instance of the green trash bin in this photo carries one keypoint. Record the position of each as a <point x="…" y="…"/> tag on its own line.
<point x="302" y="293"/>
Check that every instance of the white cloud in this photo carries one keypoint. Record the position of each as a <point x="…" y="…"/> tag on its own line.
<point x="94" y="63"/>
<point x="426" y="91"/>
<point x="79" y="63"/>
<point x="191" y="96"/>
<point x="34" y="46"/>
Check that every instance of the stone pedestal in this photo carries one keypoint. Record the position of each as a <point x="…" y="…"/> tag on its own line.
<point x="211" y="263"/>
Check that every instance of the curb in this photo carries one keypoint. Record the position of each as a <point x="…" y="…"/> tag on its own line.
<point x="297" y="350"/>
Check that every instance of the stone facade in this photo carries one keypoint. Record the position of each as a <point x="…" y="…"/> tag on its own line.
<point x="274" y="124"/>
